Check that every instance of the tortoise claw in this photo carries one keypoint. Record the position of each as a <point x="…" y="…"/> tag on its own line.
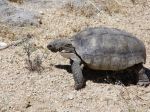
<point x="143" y="83"/>
<point x="79" y="86"/>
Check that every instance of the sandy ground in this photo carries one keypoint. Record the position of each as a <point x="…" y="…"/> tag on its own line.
<point x="52" y="90"/>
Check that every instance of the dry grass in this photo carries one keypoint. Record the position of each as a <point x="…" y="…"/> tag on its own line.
<point x="143" y="2"/>
<point x="113" y="6"/>
<point x="87" y="10"/>
<point x="6" y="33"/>
<point x="16" y="1"/>
<point x="90" y="8"/>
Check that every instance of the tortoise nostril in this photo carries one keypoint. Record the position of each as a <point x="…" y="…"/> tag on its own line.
<point x="49" y="46"/>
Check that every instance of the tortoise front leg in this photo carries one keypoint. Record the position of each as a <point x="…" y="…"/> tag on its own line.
<point x="77" y="75"/>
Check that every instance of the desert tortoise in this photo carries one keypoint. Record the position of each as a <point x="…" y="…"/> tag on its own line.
<point x="102" y="48"/>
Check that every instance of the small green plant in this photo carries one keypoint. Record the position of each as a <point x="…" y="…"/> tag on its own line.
<point x="33" y="64"/>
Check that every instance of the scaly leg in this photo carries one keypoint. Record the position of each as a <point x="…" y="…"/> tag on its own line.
<point x="142" y="77"/>
<point x="77" y="75"/>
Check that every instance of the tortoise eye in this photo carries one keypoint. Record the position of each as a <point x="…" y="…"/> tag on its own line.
<point x="68" y="45"/>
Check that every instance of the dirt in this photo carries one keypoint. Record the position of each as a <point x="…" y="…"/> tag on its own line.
<point x="51" y="88"/>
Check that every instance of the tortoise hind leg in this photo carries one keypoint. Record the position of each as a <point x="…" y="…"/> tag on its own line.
<point x="77" y="75"/>
<point x="142" y="77"/>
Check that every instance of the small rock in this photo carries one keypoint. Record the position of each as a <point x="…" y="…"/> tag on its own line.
<point x="70" y="97"/>
<point x="41" y="12"/>
<point x="3" y="45"/>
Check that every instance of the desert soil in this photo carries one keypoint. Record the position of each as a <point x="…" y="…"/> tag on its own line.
<point x="51" y="89"/>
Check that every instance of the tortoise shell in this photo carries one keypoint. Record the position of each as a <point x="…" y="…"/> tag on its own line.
<point x="104" y="48"/>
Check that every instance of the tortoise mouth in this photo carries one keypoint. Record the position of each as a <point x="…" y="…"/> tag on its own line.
<point x="64" y="51"/>
<point x="53" y="50"/>
<point x="66" y="54"/>
<point x="56" y="50"/>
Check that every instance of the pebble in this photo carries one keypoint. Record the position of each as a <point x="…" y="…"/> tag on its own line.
<point x="3" y="45"/>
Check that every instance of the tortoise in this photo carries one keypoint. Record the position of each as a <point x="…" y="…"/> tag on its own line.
<point x="102" y="48"/>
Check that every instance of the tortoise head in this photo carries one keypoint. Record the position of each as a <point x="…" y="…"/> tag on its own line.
<point x="59" y="45"/>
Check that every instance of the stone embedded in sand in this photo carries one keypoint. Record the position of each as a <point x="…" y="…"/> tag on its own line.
<point x="3" y="45"/>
